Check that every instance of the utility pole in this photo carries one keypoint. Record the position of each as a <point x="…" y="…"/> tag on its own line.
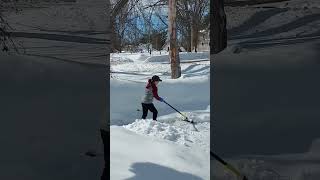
<point x="174" y="53"/>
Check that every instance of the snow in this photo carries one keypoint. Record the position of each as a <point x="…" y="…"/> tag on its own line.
<point x="137" y="67"/>
<point x="128" y="87"/>
<point x="170" y="127"/>
<point x="183" y="57"/>
<point x="169" y="148"/>
<point x="134" y="156"/>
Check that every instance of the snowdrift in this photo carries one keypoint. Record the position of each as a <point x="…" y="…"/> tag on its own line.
<point x="177" y="131"/>
<point x="183" y="57"/>
<point x="137" y="157"/>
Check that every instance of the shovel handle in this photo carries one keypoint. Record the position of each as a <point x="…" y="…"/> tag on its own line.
<point x="175" y="109"/>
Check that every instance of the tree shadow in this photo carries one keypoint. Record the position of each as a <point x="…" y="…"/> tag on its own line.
<point x="147" y="171"/>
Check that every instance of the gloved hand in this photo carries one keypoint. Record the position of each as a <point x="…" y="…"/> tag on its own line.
<point x="161" y="99"/>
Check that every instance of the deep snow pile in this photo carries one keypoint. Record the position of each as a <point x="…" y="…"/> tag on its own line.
<point x="138" y="67"/>
<point x="170" y="127"/>
<point x="183" y="57"/>
<point x="137" y="157"/>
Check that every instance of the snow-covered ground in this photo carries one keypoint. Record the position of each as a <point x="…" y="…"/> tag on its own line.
<point x="140" y="157"/>
<point x="169" y="148"/>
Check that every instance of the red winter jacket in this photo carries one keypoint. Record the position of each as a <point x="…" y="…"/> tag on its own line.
<point x="154" y="89"/>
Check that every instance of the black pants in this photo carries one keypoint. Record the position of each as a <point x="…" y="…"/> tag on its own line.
<point x="146" y="107"/>
<point x="106" y="153"/>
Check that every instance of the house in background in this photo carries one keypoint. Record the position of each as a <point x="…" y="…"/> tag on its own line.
<point x="166" y="47"/>
<point x="204" y="40"/>
<point x="203" y="44"/>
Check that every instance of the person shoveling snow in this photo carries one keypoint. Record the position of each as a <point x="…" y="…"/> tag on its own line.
<point x="151" y="91"/>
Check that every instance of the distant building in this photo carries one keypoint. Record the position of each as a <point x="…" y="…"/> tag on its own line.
<point x="203" y="44"/>
<point x="204" y="40"/>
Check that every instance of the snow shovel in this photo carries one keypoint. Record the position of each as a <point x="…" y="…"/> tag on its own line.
<point x="185" y="117"/>
<point x="229" y="167"/>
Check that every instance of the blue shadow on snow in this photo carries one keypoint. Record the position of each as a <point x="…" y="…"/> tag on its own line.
<point x="148" y="171"/>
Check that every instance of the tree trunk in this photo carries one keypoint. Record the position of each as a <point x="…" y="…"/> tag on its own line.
<point x="174" y="53"/>
<point x="188" y="41"/>
<point x="114" y="35"/>
<point x="218" y="30"/>
<point x="195" y="37"/>
<point x="192" y="36"/>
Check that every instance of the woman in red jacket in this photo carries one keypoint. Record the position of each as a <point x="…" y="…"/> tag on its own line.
<point x="151" y="92"/>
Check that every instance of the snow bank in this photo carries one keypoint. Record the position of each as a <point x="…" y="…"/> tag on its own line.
<point x="177" y="131"/>
<point x="161" y="130"/>
<point x="138" y="157"/>
<point x="118" y="59"/>
<point x="131" y="57"/>
<point x="140" y="72"/>
<point x="183" y="57"/>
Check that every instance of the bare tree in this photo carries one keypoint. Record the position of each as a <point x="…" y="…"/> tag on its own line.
<point x="159" y="38"/>
<point x="123" y="18"/>
<point x="5" y="39"/>
<point x="197" y="17"/>
<point x="174" y="53"/>
<point x="116" y="21"/>
<point x="4" y="35"/>
<point x="191" y="19"/>
<point x="119" y="28"/>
